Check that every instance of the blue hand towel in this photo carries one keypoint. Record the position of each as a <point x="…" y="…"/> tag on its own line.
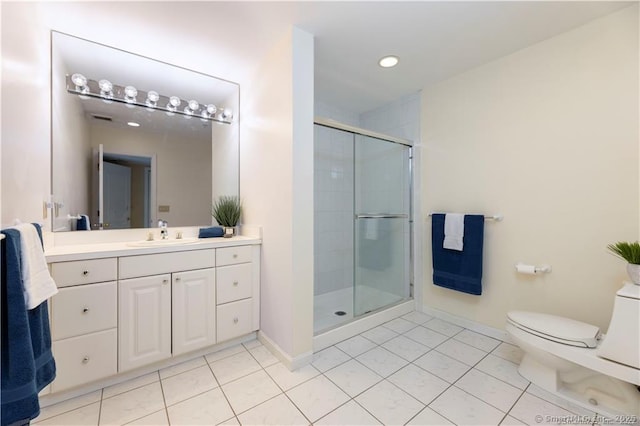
<point x="211" y="232"/>
<point x="458" y="270"/>
<point x="27" y="364"/>
<point x="83" y="224"/>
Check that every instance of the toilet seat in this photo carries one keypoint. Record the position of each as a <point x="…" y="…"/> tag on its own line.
<point x="557" y="329"/>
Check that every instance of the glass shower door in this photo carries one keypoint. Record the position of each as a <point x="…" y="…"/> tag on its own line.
<point x="382" y="178"/>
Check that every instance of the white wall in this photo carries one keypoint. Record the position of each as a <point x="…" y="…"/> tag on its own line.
<point x="25" y="136"/>
<point x="547" y="136"/>
<point x="276" y="184"/>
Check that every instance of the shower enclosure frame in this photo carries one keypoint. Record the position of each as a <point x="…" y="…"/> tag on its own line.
<point x="332" y="124"/>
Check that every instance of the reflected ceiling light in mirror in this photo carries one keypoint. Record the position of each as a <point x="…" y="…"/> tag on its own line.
<point x="103" y="89"/>
<point x="133" y="124"/>
<point x="130" y="96"/>
<point x="388" y="61"/>
<point x="106" y="90"/>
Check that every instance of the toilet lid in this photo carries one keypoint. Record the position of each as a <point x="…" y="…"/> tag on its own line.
<point x="558" y="329"/>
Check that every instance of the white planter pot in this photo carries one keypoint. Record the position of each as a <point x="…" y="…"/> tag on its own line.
<point x="634" y="273"/>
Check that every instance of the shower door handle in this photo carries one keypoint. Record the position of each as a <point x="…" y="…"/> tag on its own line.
<point x="381" y="216"/>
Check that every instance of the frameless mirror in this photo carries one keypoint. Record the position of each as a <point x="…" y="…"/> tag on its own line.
<point x="129" y="144"/>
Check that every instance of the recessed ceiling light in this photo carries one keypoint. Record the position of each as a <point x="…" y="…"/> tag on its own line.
<point x="388" y="61"/>
<point x="133" y="124"/>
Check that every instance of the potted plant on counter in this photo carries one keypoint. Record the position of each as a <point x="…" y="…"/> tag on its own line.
<point x="226" y="210"/>
<point x="631" y="253"/>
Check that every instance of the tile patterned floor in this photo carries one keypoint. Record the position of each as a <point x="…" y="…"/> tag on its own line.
<point x="414" y="370"/>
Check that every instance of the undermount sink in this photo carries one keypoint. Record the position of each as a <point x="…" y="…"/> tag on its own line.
<point x="162" y="243"/>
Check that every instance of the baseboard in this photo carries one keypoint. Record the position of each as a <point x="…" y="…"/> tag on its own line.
<point x="358" y="326"/>
<point x="496" y="333"/>
<point x="292" y="363"/>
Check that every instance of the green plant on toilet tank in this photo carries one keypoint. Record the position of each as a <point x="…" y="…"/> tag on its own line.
<point x="631" y="253"/>
<point x="226" y="210"/>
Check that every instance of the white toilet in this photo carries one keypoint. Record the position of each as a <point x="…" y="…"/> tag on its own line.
<point x="574" y="360"/>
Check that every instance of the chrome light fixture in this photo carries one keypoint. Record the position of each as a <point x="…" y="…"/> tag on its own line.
<point x="208" y="112"/>
<point x="191" y="107"/>
<point x="172" y="106"/>
<point x="152" y="100"/>
<point x="106" y="90"/>
<point x="129" y="95"/>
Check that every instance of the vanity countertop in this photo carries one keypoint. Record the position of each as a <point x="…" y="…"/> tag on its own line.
<point x="65" y="253"/>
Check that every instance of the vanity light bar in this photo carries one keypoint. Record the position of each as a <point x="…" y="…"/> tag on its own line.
<point x="130" y="96"/>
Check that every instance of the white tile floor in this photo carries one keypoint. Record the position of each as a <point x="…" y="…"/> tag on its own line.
<point x="414" y="370"/>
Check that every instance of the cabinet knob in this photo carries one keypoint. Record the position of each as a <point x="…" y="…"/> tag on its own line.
<point x="86" y="359"/>
<point x="235" y="256"/>
<point x="177" y="279"/>
<point x="85" y="310"/>
<point x="85" y="273"/>
<point x="165" y="281"/>
<point x="235" y="283"/>
<point x="235" y="320"/>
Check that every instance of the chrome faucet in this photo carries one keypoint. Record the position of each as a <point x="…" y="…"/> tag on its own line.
<point x="164" y="232"/>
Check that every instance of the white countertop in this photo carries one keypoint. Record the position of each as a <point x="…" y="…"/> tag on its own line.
<point x="65" y="253"/>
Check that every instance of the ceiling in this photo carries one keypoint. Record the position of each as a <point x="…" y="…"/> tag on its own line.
<point x="434" y="40"/>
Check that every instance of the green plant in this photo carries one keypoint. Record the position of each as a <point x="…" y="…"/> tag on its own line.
<point x="226" y="210"/>
<point x="626" y="251"/>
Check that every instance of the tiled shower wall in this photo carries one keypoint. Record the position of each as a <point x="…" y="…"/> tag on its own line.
<point x="333" y="183"/>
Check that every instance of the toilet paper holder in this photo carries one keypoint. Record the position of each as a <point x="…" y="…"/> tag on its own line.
<point x="532" y="269"/>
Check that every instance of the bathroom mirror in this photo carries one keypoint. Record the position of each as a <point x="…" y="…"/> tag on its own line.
<point x="133" y="150"/>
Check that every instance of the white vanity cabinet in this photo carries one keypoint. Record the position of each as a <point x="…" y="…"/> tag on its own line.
<point x="193" y="315"/>
<point x="84" y="321"/>
<point x="144" y="313"/>
<point x="169" y="292"/>
<point x="234" y="287"/>
<point x="146" y="307"/>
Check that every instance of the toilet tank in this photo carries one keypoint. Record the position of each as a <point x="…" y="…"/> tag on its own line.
<point x="622" y="342"/>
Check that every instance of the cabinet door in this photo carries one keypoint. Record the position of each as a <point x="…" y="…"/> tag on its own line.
<point x="194" y="310"/>
<point x="144" y="319"/>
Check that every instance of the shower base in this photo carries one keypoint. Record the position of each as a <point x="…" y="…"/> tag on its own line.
<point x="336" y="307"/>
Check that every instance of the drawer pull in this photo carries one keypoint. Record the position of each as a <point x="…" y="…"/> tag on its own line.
<point x="85" y="273"/>
<point x="235" y="255"/>
<point x="85" y="310"/>
<point x="86" y="359"/>
<point x="235" y="283"/>
<point x="235" y="320"/>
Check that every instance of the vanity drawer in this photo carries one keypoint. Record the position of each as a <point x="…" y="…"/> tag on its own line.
<point x="233" y="282"/>
<point x="84" y="271"/>
<point x="234" y="319"/>
<point x="163" y="263"/>
<point x="233" y="255"/>
<point x="84" y="359"/>
<point x="84" y="309"/>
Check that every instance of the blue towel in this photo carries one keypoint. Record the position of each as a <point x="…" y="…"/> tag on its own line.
<point x="27" y="364"/>
<point x="458" y="270"/>
<point x="83" y="224"/>
<point x="211" y="232"/>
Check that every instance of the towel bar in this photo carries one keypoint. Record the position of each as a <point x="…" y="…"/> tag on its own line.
<point x="496" y="217"/>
